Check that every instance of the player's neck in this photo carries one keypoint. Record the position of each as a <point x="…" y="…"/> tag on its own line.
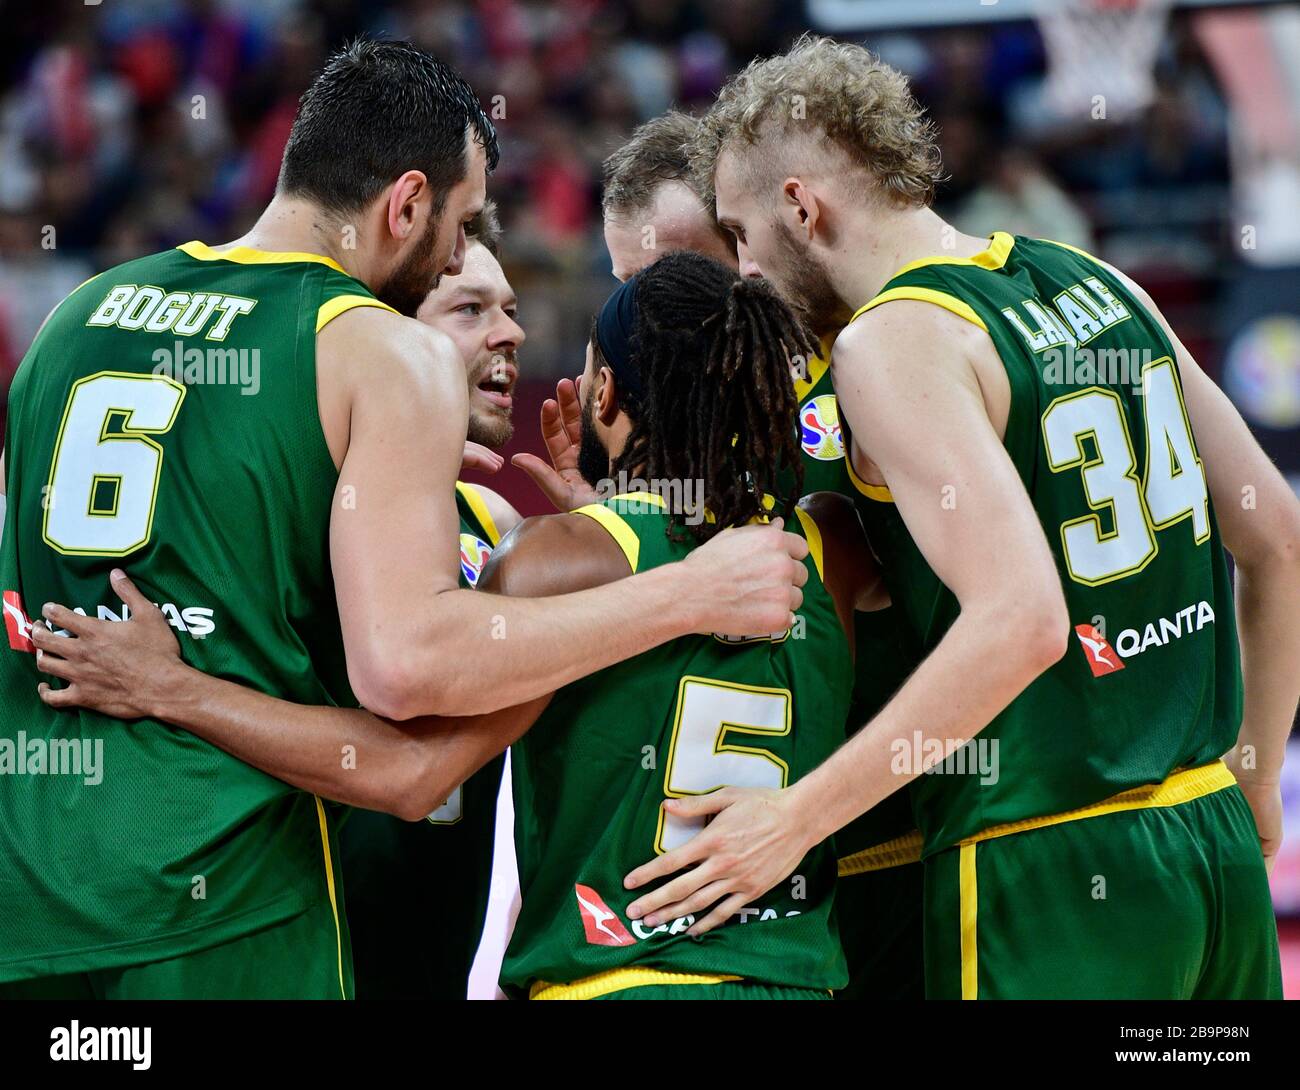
<point x="293" y="225"/>
<point x="894" y="240"/>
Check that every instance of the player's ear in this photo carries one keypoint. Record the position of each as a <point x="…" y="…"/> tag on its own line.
<point x="405" y="211"/>
<point x="802" y="206"/>
<point x="606" y="397"/>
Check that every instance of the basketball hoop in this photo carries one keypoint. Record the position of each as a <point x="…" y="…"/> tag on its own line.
<point x="1101" y="56"/>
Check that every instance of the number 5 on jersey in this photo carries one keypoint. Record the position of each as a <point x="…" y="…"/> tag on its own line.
<point x="105" y="471"/>
<point x="704" y="755"/>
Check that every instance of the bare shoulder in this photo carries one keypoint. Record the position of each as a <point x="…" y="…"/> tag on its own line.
<point x="553" y="554"/>
<point x="395" y="369"/>
<point x="891" y="342"/>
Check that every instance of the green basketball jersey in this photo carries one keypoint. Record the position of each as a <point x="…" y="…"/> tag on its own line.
<point x="418" y="890"/>
<point x="165" y="421"/>
<point x="684" y="719"/>
<point x="1100" y="436"/>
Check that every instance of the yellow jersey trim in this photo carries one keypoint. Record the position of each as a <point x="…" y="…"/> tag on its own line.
<point x="618" y="980"/>
<point x="329" y="884"/>
<point x="968" y="892"/>
<point x="341" y="304"/>
<point x="1180" y="787"/>
<point x="817" y="367"/>
<point x="993" y="257"/>
<point x="623" y="534"/>
<point x="891" y="853"/>
<point x="942" y="299"/>
<point x="474" y="498"/>
<point x="813" y="535"/>
<point x="878" y="492"/>
<point x="246" y="255"/>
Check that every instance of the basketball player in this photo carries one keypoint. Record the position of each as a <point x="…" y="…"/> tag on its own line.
<point x="711" y="359"/>
<point x="653" y="206"/>
<point x="417" y="892"/>
<point x="1055" y="539"/>
<point x="299" y="527"/>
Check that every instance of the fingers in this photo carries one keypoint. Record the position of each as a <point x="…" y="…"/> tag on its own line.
<point x="479" y="457"/>
<point x="697" y="902"/>
<point x="719" y="915"/>
<point x="545" y="477"/>
<point x="656" y="904"/>
<point x="800" y="573"/>
<point x="63" y="618"/>
<point x="570" y="409"/>
<point x="669" y="863"/>
<point x="48" y="644"/>
<point x="140" y="606"/>
<point x="56" y="666"/>
<point x="696" y="806"/>
<point x="796" y="546"/>
<point x="58" y="698"/>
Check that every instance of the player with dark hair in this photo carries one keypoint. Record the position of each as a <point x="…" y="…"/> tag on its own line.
<point x="655" y="204"/>
<point x="687" y="381"/>
<point x="303" y="541"/>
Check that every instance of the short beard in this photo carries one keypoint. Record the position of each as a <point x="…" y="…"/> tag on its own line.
<point x="490" y="430"/>
<point x="405" y="290"/>
<point x="806" y="285"/>
<point x="593" y="458"/>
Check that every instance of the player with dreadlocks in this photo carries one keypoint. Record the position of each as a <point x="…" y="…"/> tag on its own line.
<point x="687" y="402"/>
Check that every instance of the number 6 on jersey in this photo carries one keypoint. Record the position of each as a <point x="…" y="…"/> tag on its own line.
<point x="105" y="472"/>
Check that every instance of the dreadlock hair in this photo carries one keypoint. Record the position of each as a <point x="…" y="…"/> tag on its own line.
<point x="713" y="352"/>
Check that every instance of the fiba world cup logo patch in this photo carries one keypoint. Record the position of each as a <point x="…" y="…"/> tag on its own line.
<point x="819" y="428"/>
<point x="474" y="553"/>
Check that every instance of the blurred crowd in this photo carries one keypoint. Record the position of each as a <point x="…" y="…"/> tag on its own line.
<point x="133" y="125"/>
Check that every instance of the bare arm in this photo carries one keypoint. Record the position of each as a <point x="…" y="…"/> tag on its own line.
<point x="417" y="645"/>
<point x="133" y="669"/>
<point x="988" y="548"/>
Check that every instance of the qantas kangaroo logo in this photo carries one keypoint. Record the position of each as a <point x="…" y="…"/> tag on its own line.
<point x="1101" y="657"/>
<point x="17" y="623"/>
<point x="599" y="921"/>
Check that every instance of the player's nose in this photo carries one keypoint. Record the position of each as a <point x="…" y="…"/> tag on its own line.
<point x="748" y="266"/>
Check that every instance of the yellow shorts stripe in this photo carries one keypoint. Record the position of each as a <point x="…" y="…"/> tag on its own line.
<point x="618" y="980"/>
<point x="329" y="884"/>
<point x="474" y="498"/>
<point x="1179" y="787"/>
<point x="969" y="893"/>
<point x="891" y="853"/>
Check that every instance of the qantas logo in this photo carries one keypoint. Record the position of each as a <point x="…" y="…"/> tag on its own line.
<point x="599" y="921"/>
<point x="1100" y="655"/>
<point x="1103" y="658"/>
<point x="17" y="623"/>
<point x="194" y="621"/>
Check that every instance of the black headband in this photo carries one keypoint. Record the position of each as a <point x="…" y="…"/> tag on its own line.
<point x="614" y="334"/>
